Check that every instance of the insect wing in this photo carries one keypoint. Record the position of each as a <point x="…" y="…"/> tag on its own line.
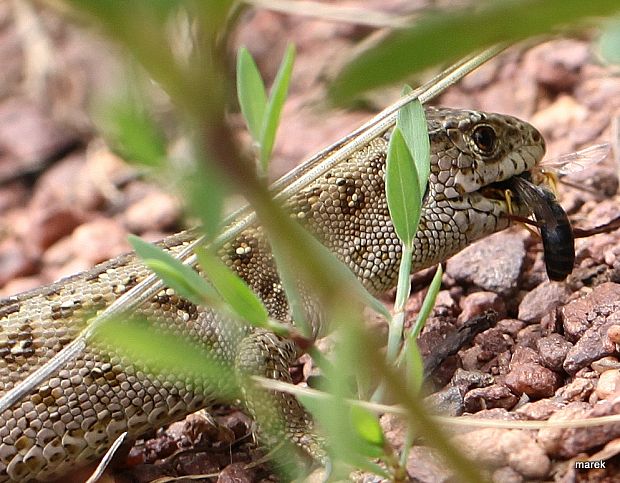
<point x="578" y="161"/>
<point x="537" y="200"/>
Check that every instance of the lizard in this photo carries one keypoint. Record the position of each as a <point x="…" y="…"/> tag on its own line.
<point x="74" y="417"/>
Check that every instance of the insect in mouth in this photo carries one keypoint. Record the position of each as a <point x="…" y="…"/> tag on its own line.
<point x="556" y="231"/>
<point x="536" y="190"/>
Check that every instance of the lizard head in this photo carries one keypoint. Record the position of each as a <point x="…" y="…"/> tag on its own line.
<point x="475" y="150"/>
<point x="474" y="156"/>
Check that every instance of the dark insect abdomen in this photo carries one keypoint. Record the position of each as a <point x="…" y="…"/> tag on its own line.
<point x="559" y="245"/>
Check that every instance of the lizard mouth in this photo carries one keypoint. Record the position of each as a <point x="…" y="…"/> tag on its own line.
<point x="497" y="191"/>
<point x="504" y="191"/>
<point x="517" y="202"/>
<point x="510" y="189"/>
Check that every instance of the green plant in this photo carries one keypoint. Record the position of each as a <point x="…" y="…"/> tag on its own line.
<point x="262" y="113"/>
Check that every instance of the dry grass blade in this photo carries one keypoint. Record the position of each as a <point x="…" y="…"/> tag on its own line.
<point x="105" y="461"/>
<point x="334" y="13"/>
<point x="471" y="422"/>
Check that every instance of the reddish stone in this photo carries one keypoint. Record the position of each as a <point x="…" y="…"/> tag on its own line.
<point x="553" y="350"/>
<point x="478" y="302"/>
<point x="534" y="380"/>
<point x="542" y="300"/>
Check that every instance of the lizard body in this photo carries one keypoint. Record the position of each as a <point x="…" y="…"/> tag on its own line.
<point x="78" y="413"/>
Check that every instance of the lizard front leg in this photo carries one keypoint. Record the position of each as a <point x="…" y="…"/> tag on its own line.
<point x="278" y="415"/>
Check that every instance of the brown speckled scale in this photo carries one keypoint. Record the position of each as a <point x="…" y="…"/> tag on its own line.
<point x="78" y="413"/>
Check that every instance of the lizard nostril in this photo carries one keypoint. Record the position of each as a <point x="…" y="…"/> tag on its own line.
<point x="536" y="137"/>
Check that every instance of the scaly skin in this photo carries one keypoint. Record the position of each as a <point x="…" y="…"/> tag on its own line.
<point x="76" y="415"/>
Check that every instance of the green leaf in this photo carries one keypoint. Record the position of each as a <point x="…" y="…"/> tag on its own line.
<point x="290" y="283"/>
<point x="278" y="328"/>
<point x="274" y="108"/>
<point x="428" y="304"/>
<point x="233" y="290"/>
<point x="314" y="402"/>
<point x="609" y="42"/>
<point x="206" y="190"/>
<point x="441" y="37"/>
<point x="162" y="352"/>
<point x="348" y="436"/>
<point x="414" y="366"/>
<point x="359" y="459"/>
<point x="412" y="123"/>
<point x="134" y="133"/>
<point x="367" y="426"/>
<point x="176" y="275"/>
<point x="401" y="186"/>
<point x="323" y="257"/>
<point x="251" y="93"/>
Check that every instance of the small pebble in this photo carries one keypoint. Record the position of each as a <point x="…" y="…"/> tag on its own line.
<point x="613" y="333"/>
<point x="605" y="364"/>
<point x="608" y="384"/>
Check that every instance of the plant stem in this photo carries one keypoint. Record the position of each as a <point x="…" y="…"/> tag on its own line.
<point x="395" y="333"/>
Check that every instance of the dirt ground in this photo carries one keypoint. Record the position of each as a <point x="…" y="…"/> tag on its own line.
<point x="67" y="202"/>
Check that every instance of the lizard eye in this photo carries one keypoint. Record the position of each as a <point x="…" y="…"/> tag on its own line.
<point x="485" y="138"/>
